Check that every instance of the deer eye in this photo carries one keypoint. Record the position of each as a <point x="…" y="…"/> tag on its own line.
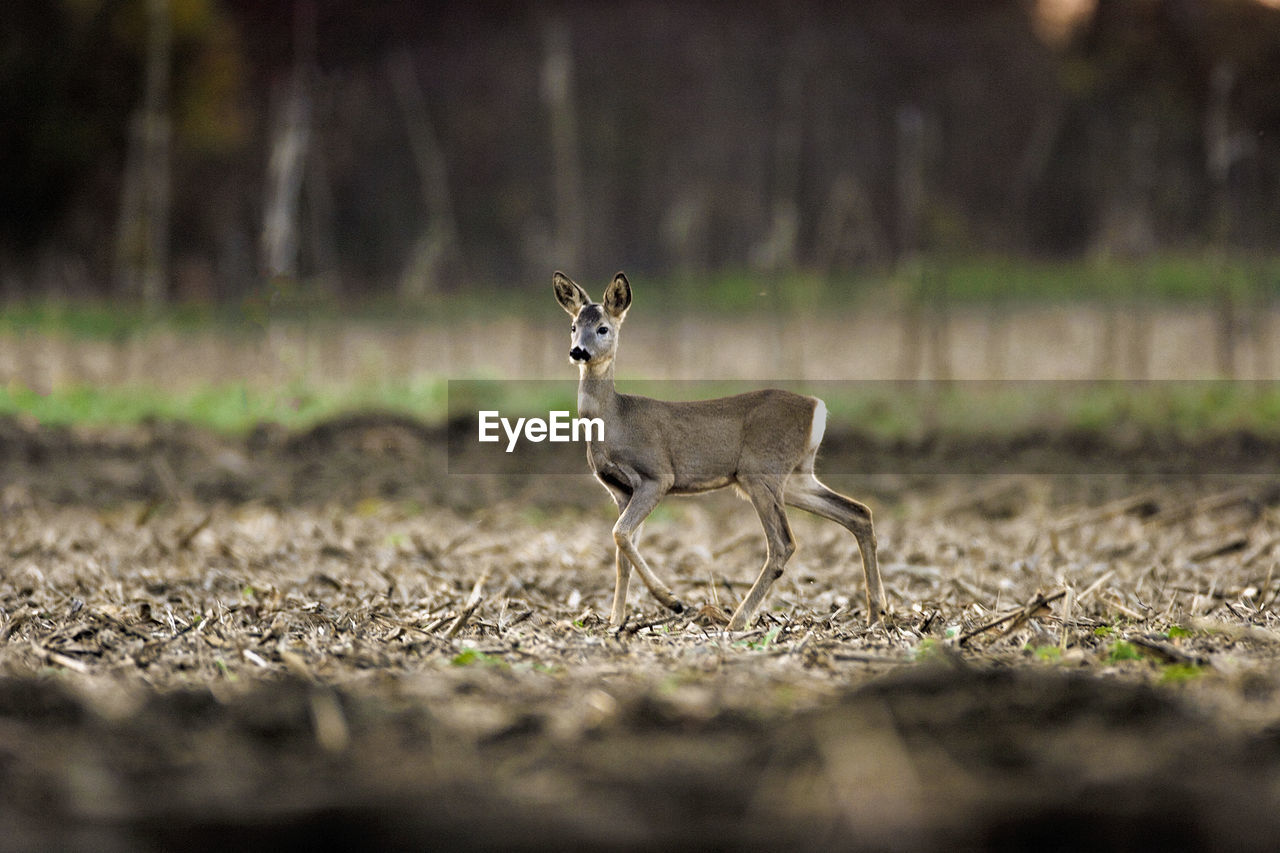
<point x="603" y="330"/>
<point x="573" y="327"/>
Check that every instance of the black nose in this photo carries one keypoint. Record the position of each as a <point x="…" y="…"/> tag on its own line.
<point x="579" y="354"/>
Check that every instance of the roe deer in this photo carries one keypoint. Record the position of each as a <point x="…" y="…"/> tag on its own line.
<point x="761" y="442"/>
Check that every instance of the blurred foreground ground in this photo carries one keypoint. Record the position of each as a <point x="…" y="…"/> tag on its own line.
<point x="323" y="638"/>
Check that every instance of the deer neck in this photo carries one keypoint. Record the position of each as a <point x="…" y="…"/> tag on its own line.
<point x="596" y="394"/>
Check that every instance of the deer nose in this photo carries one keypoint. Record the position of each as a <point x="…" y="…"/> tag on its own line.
<point x="579" y="354"/>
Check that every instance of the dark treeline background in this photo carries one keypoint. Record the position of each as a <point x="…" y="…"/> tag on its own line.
<point x="193" y="149"/>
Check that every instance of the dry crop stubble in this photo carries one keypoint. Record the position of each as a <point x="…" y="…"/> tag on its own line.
<point x="191" y="592"/>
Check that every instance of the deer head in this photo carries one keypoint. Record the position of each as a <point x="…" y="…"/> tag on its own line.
<point x="593" y="335"/>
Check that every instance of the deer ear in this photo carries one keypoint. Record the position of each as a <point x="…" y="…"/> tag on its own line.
<point x="570" y="296"/>
<point x="617" y="299"/>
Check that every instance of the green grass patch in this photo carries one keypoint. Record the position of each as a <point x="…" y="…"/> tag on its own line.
<point x="1188" y="411"/>
<point x="1048" y="654"/>
<point x="232" y="408"/>
<point x="1123" y="650"/>
<point x="1163" y="278"/>
<point x="763" y="643"/>
<point x="928" y="650"/>
<point x="1180" y="673"/>
<point x="513" y="398"/>
<point x="475" y="657"/>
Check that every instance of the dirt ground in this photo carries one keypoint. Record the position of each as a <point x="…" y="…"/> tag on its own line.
<point x="325" y="639"/>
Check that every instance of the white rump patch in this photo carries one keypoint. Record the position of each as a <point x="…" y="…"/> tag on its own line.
<point x="818" y="427"/>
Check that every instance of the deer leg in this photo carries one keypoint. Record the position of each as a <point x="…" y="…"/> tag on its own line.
<point x="806" y="492"/>
<point x="622" y="567"/>
<point x="642" y="502"/>
<point x="618" y="614"/>
<point x="780" y="545"/>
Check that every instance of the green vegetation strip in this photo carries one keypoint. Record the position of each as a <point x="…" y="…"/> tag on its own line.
<point x="1170" y="278"/>
<point x="1181" y="410"/>
<point x="232" y="408"/>
<point x="882" y="410"/>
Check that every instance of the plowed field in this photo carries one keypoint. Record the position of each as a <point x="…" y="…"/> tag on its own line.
<point x="323" y="638"/>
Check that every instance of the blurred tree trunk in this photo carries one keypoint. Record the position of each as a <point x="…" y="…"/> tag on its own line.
<point x="848" y="231"/>
<point x="142" y="232"/>
<point x="684" y="233"/>
<point x="925" y="319"/>
<point x="557" y="94"/>
<point x="437" y="245"/>
<point x="1140" y="245"/>
<point x="287" y="160"/>
<point x="291" y="130"/>
<point x="320" y="222"/>
<point x="775" y="254"/>
<point x="910" y="180"/>
<point x="1036" y="157"/>
<point x="776" y="250"/>
<point x="1220" y="155"/>
<point x="1124" y="244"/>
<point x="909" y="187"/>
